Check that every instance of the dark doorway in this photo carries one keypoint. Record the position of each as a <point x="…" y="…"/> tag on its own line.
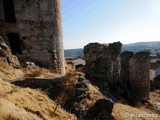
<point x="9" y="11"/>
<point x="14" y="43"/>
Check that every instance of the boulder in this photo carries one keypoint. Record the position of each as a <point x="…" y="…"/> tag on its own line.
<point x="13" y="61"/>
<point x="101" y="110"/>
<point x="30" y="66"/>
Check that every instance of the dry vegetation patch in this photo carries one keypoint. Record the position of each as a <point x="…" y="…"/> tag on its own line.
<point x="68" y="68"/>
<point x="9" y="111"/>
<point x="120" y="110"/>
<point x="8" y="73"/>
<point x="93" y="95"/>
<point x="25" y="103"/>
<point x="40" y="73"/>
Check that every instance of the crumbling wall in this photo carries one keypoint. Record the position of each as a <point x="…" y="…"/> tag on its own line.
<point x="139" y="75"/>
<point x="125" y="58"/>
<point x="105" y="64"/>
<point x="102" y="61"/>
<point x="39" y="26"/>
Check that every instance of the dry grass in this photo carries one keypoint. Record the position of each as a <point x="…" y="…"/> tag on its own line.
<point x="68" y="68"/>
<point x="120" y="111"/>
<point x="94" y="95"/>
<point x="25" y="103"/>
<point x="8" y="73"/>
<point x="106" y="44"/>
<point x="34" y="73"/>
<point x="69" y="80"/>
<point x="10" y="111"/>
<point x="40" y="73"/>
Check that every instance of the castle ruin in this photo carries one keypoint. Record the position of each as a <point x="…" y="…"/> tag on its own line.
<point x="139" y="66"/>
<point x="102" y="61"/>
<point x="33" y="29"/>
<point x="108" y="67"/>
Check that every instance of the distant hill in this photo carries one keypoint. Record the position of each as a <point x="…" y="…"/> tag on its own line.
<point x="135" y="47"/>
<point x="139" y="46"/>
<point x="73" y="52"/>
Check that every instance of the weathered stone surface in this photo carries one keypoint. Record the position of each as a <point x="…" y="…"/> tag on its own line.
<point x="125" y="58"/>
<point x="102" y="61"/>
<point x="139" y="75"/>
<point x="30" y="66"/>
<point x="13" y="61"/>
<point x="6" y="55"/>
<point x="81" y="89"/>
<point x="123" y="74"/>
<point x="43" y="28"/>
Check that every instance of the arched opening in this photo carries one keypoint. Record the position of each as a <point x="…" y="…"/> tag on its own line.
<point x="9" y="11"/>
<point x="14" y="43"/>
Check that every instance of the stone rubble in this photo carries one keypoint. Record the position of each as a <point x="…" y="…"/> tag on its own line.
<point x="81" y="89"/>
<point x="31" y="66"/>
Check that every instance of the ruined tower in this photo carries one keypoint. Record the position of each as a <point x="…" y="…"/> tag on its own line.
<point x="33" y="29"/>
<point x="139" y="75"/>
<point x="102" y="62"/>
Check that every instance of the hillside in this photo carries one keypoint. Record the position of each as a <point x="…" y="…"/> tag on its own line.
<point x="47" y="96"/>
<point x="135" y="47"/>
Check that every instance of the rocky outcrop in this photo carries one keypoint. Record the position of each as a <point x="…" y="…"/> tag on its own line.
<point x="4" y="49"/>
<point x="5" y="53"/>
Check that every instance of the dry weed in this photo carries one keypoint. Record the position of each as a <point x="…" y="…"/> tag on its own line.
<point x="9" y="111"/>
<point x="8" y="73"/>
<point x="34" y="73"/>
<point x="68" y="68"/>
<point x="38" y="104"/>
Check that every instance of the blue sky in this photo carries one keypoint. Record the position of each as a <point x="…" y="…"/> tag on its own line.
<point x="107" y="21"/>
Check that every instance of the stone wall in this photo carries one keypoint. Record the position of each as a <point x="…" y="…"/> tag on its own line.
<point x="39" y="26"/>
<point x="125" y="58"/>
<point x="139" y="75"/>
<point x="102" y="61"/>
